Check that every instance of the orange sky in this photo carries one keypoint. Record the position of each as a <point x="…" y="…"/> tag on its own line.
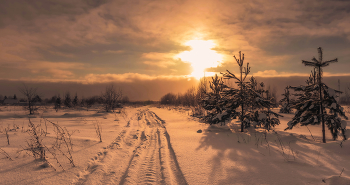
<point x="126" y="41"/>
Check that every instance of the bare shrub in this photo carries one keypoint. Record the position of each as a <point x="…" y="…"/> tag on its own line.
<point x="63" y="143"/>
<point x="167" y="99"/>
<point x="34" y="145"/>
<point x="31" y="96"/>
<point x="111" y="97"/>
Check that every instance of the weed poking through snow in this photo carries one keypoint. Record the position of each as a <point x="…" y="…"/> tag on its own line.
<point x="98" y="130"/>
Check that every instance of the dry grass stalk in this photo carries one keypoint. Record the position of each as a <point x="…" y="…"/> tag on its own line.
<point x="63" y="139"/>
<point x="7" y="136"/>
<point x="6" y="154"/>
<point x="35" y="143"/>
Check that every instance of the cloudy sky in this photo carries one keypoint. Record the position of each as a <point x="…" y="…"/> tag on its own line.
<point x="98" y="41"/>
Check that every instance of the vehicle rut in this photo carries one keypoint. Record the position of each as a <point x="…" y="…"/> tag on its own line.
<point x="141" y="154"/>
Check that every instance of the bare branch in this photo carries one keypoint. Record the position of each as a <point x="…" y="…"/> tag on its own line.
<point x="307" y="63"/>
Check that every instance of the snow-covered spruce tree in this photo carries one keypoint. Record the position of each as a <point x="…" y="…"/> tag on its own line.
<point x="213" y="102"/>
<point x="239" y="101"/>
<point x="263" y="116"/>
<point x="312" y="78"/>
<point x="316" y="103"/>
<point x="58" y="103"/>
<point x="75" y="100"/>
<point x="67" y="100"/>
<point x="285" y="101"/>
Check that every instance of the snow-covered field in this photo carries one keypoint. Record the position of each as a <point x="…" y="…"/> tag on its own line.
<point x="150" y="145"/>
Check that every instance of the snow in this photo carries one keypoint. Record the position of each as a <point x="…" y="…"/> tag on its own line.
<point x="262" y="116"/>
<point x="334" y="106"/>
<point x="343" y="124"/>
<point x="150" y="145"/>
<point x="331" y="92"/>
<point x="219" y="116"/>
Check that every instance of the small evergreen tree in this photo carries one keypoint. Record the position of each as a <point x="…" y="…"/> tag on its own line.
<point x="316" y="103"/>
<point x="67" y="100"/>
<point x="285" y="101"/>
<point x="75" y="100"/>
<point x="58" y="103"/>
<point x="213" y="102"/>
<point x="239" y="101"/>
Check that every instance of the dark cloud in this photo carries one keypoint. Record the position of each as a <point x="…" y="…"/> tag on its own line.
<point x="22" y="10"/>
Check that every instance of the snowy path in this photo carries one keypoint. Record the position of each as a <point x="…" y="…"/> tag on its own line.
<point x="140" y="154"/>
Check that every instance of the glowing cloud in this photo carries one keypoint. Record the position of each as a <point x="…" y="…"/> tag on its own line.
<point x="201" y="56"/>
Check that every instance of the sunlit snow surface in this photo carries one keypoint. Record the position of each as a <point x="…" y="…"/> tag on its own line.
<point x="160" y="145"/>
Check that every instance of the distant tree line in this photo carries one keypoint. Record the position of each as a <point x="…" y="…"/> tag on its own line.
<point x="111" y="99"/>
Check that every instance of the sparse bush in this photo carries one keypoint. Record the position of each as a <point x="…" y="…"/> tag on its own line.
<point x="63" y="143"/>
<point x="31" y="96"/>
<point x="111" y="98"/>
<point x="34" y="145"/>
<point x="168" y="99"/>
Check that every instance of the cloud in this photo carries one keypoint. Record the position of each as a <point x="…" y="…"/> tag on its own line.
<point x="274" y="73"/>
<point x="126" y="77"/>
<point x="162" y="60"/>
<point x="67" y="55"/>
<point x="59" y="75"/>
<point x="141" y="36"/>
<point x="115" y="51"/>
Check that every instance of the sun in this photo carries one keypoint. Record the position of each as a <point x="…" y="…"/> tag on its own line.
<point x="201" y="57"/>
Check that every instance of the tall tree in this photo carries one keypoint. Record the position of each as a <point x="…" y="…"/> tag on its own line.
<point x="314" y="101"/>
<point x="239" y="101"/>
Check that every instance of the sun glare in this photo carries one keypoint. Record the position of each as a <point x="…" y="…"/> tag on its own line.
<point x="201" y="57"/>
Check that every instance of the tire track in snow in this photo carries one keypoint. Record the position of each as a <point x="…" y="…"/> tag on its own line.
<point x="106" y="166"/>
<point x="149" y="157"/>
